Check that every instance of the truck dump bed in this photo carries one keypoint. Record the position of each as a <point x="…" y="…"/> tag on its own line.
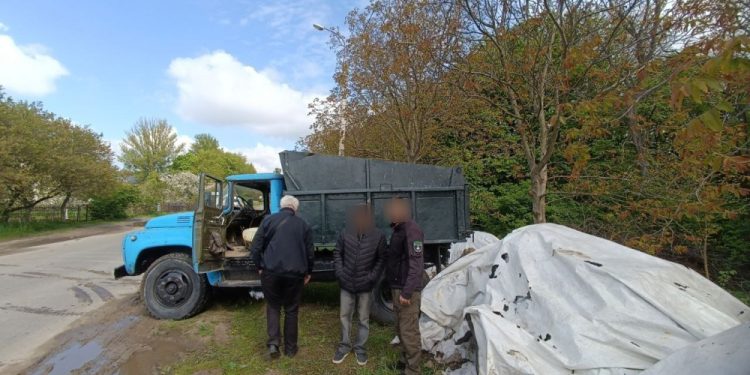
<point x="327" y="186"/>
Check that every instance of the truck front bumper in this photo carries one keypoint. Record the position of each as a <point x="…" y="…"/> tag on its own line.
<point x="120" y="272"/>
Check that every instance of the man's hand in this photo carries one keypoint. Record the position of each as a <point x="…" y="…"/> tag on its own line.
<point x="307" y="279"/>
<point x="404" y="301"/>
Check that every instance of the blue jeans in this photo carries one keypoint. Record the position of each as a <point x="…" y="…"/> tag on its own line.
<point x="349" y="303"/>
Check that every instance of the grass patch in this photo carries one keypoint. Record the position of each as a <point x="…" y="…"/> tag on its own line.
<point x="245" y="350"/>
<point x="742" y="295"/>
<point x="10" y="231"/>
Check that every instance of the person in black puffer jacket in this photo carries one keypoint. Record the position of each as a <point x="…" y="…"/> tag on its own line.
<point x="358" y="258"/>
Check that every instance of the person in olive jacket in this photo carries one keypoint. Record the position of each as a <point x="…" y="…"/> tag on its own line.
<point x="358" y="260"/>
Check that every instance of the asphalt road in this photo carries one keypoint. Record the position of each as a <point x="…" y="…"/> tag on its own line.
<point x="44" y="288"/>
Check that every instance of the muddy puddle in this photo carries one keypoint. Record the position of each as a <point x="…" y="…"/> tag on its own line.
<point x="120" y="338"/>
<point x="72" y="358"/>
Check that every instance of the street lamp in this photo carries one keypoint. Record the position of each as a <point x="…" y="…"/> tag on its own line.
<point x="342" y="102"/>
<point x="333" y="32"/>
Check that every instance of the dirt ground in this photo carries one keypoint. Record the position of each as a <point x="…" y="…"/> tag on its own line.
<point x="121" y="338"/>
<point x="228" y="338"/>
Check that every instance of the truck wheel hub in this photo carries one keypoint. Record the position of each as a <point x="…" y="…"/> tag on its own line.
<point x="173" y="288"/>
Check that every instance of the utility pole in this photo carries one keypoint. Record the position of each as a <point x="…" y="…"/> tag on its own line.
<point x="341" y="108"/>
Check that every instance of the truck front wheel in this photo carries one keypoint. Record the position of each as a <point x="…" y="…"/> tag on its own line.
<point x="382" y="303"/>
<point x="171" y="288"/>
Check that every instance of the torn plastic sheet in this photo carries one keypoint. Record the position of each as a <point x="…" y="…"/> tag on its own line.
<point x="550" y="300"/>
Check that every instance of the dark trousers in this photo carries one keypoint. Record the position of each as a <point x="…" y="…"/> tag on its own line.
<point x="286" y="292"/>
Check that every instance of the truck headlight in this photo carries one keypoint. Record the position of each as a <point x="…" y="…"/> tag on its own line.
<point x="133" y="237"/>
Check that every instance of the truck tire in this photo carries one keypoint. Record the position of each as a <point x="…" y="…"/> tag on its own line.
<point x="172" y="289"/>
<point x="382" y="303"/>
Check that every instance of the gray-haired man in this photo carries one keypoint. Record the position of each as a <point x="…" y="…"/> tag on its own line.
<point x="283" y="252"/>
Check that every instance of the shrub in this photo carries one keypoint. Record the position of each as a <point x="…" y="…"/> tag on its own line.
<point x="115" y="204"/>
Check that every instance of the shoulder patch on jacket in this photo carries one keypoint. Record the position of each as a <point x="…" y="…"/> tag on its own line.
<point x="417" y="246"/>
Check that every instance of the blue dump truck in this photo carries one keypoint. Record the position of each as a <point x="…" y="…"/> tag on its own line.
<point x="184" y="255"/>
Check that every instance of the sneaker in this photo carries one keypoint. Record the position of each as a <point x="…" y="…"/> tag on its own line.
<point x="273" y="351"/>
<point x="339" y="356"/>
<point x="361" y="358"/>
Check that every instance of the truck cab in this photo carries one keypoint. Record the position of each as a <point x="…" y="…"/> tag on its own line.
<point x="183" y="255"/>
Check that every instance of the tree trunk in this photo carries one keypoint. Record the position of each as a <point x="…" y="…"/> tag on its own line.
<point x="539" y="195"/>
<point x="704" y="255"/>
<point x="64" y="206"/>
<point x="342" y="139"/>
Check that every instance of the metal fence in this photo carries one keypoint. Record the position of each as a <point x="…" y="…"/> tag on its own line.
<point x="51" y="213"/>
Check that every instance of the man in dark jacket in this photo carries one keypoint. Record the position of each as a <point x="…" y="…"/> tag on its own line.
<point x="358" y="260"/>
<point x="404" y="272"/>
<point x="283" y="253"/>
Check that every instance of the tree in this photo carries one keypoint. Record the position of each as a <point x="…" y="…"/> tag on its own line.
<point x="693" y="142"/>
<point x="390" y="74"/>
<point x="43" y="156"/>
<point x="542" y="62"/>
<point x="204" y="142"/>
<point x="205" y="156"/>
<point x="149" y="147"/>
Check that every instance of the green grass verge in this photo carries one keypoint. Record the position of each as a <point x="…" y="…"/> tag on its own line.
<point x="245" y="350"/>
<point x="11" y="231"/>
<point x="742" y="296"/>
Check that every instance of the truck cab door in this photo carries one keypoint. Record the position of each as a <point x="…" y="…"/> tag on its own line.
<point x="209" y="242"/>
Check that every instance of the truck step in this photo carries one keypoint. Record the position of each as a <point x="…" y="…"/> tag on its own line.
<point x="239" y="283"/>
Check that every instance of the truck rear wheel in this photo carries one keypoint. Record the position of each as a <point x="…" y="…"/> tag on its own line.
<point x="172" y="289"/>
<point x="382" y="303"/>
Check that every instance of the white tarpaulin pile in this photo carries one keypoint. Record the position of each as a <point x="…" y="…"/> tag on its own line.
<point x="551" y="300"/>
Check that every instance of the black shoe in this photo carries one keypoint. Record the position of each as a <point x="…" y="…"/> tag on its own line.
<point x="290" y="353"/>
<point x="273" y="351"/>
<point x="361" y="358"/>
<point x="340" y="355"/>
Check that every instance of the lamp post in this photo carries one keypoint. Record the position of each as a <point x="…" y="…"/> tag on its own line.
<point x="333" y="32"/>
<point x="342" y="101"/>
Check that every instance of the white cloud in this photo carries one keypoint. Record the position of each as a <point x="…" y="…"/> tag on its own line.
<point x="28" y="70"/>
<point x="265" y="158"/>
<point x="114" y="145"/>
<point x="3" y="27"/>
<point x="185" y="140"/>
<point x="217" y="89"/>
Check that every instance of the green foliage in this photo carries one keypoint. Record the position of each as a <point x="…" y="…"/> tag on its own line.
<point x="149" y="147"/>
<point x="204" y="142"/>
<point x="151" y="193"/>
<point x="43" y="156"/>
<point x="115" y="204"/>
<point x="205" y="156"/>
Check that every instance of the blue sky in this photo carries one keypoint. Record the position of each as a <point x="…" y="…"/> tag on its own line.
<point x="243" y="71"/>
